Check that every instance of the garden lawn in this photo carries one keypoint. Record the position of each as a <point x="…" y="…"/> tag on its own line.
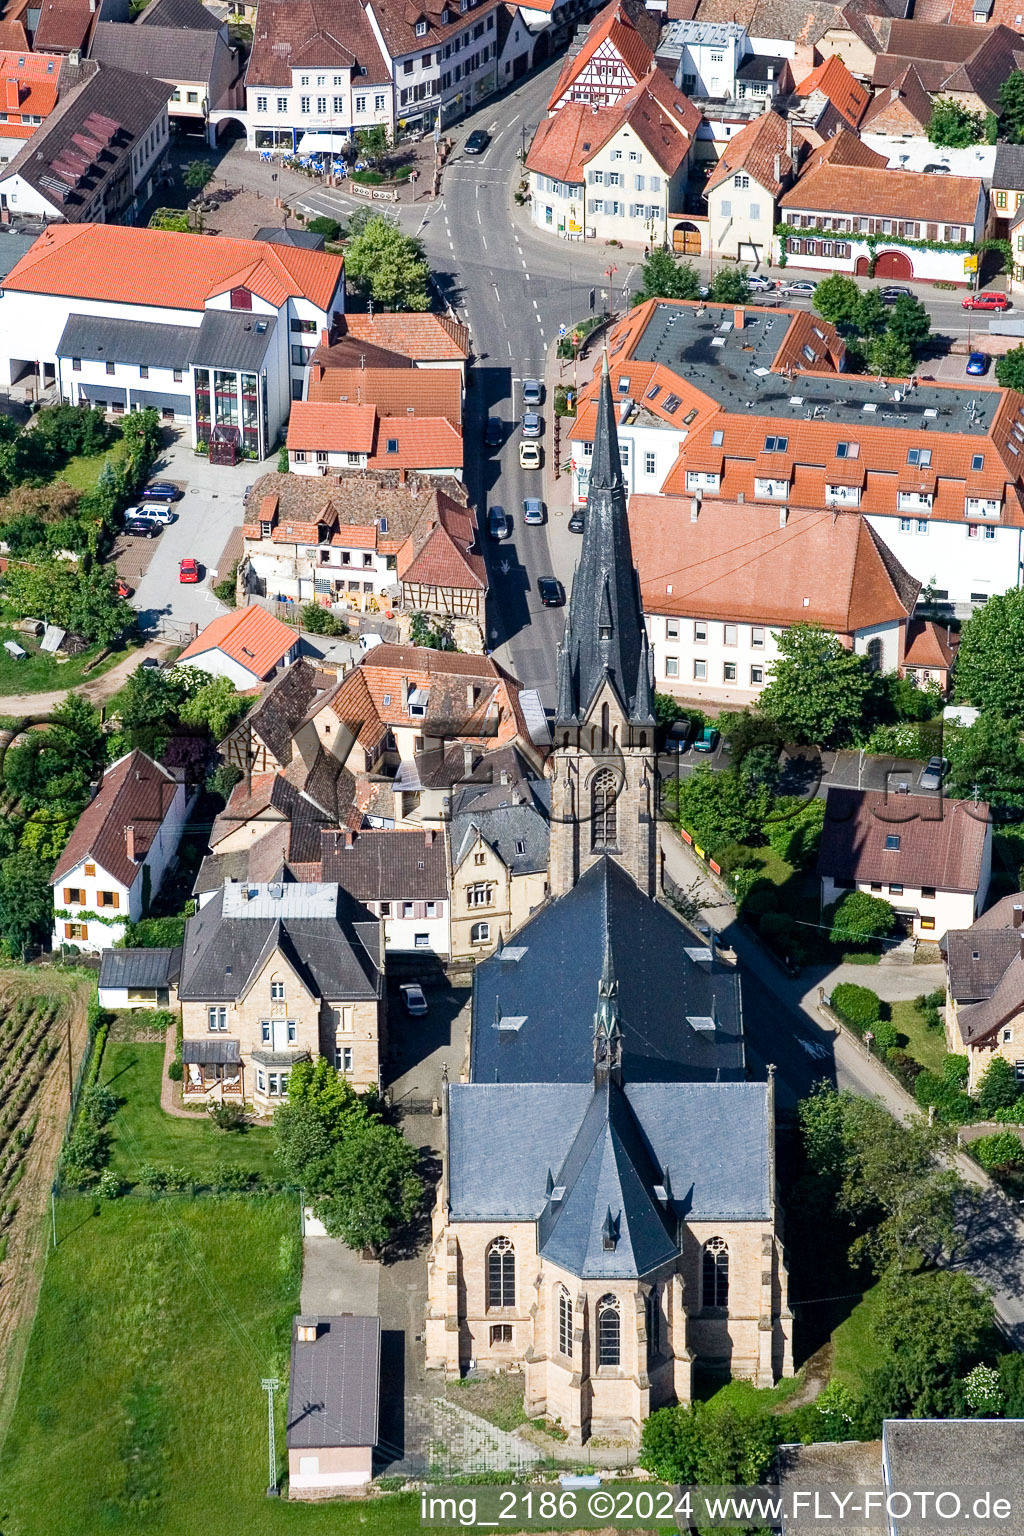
<point x="84" y="470"/>
<point x="142" y="1132"/>
<point x="928" y="1046"/>
<point x="40" y="672"/>
<point x="140" y="1407"/>
<point x="854" y="1351"/>
<point x="744" y="1396"/>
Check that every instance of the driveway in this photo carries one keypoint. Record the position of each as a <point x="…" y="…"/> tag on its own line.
<point x="97" y="691"/>
<point x="210" y="508"/>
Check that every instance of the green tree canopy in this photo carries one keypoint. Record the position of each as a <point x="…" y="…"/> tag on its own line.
<point x="388" y="265"/>
<point x="1010" y="367"/>
<point x="930" y="1330"/>
<point x="198" y="174"/>
<point x="665" y="278"/>
<point x="954" y="126"/>
<point x="987" y="762"/>
<point x="999" y="1088"/>
<point x="909" y="322"/>
<point x="890" y="356"/>
<point x="872" y="315"/>
<point x="217" y="705"/>
<point x="838" y="300"/>
<point x="86" y="602"/>
<point x="722" y="808"/>
<point x="1011" y="108"/>
<point x="709" y="1444"/>
<point x="309" y="1125"/>
<point x="372" y="1188"/>
<point x="730" y="286"/>
<point x="26" y="901"/>
<point x="817" y="690"/>
<point x="988" y="673"/>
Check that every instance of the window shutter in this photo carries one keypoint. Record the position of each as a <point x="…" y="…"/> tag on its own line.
<point x="114" y="899"/>
<point x="67" y="930"/>
<point x="69" y="895"/>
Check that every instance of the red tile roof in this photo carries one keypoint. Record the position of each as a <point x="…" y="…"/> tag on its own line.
<point x="886" y="194"/>
<point x="394" y="391"/>
<point x="288" y="34"/>
<point x="941" y="842"/>
<point x="927" y="645"/>
<point x="423" y="338"/>
<point x="421" y="442"/>
<point x="250" y="636"/>
<point x="740" y="562"/>
<point x="134" y="792"/>
<point x="620" y="26"/>
<point x="334" y="427"/>
<point x="904" y="106"/>
<point x="169" y="270"/>
<point x="563" y="143"/>
<point x="833" y="79"/>
<point x="754" y="149"/>
<point x="448" y="556"/>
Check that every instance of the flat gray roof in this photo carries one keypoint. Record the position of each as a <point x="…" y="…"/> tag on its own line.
<point x="733" y="367"/>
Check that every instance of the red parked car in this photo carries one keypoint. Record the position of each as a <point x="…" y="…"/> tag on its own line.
<point x="188" y="571"/>
<point x="986" y="301"/>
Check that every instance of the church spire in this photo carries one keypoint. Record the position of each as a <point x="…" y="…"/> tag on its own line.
<point x="607" y="1023"/>
<point x="604" y="632"/>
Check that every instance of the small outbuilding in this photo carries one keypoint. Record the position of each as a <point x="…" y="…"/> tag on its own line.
<point x="139" y="978"/>
<point x="333" y="1397"/>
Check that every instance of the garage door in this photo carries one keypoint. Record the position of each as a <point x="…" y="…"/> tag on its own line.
<point x="893" y="264"/>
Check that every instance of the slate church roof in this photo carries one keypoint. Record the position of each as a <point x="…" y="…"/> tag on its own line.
<point x="533" y="1001"/>
<point x="632" y="1160"/>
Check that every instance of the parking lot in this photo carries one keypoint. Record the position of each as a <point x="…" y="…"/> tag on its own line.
<point x="210" y="507"/>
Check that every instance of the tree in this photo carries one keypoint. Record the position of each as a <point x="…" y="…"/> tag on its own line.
<point x="720" y="808"/>
<point x="730" y="286"/>
<point x="987" y="674"/>
<point x="715" y="1445"/>
<point x="434" y="634"/>
<point x="817" y="689"/>
<point x="910" y="323"/>
<point x="322" y="225"/>
<point x="665" y="278"/>
<point x="388" y="265"/>
<point x="1011" y="108"/>
<point x="198" y="174"/>
<point x="373" y="1188"/>
<point x="858" y="918"/>
<point x="872" y="314"/>
<point x="1010" y="367"/>
<point x="987" y="762"/>
<point x="373" y="144"/>
<point x="838" y="300"/>
<point x="26" y="901"/>
<point x="667" y="710"/>
<point x="999" y="1088"/>
<point x="930" y="1330"/>
<point x="320" y="620"/>
<point x="890" y="357"/>
<point x="307" y="1128"/>
<point x="954" y="126"/>
<point x="216" y="705"/>
<point x="86" y="602"/>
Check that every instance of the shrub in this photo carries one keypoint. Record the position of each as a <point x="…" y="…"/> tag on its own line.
<point x="736" y="856"/>
<point x="858" y="1007"/>
<point x="152" y="1178"/>
<point x="858" y="918"/>
<point x="794" y="830"/>
<point x="98" y="1105"/>
<point x="110" y="1186"/>
<point x="178" y="1180"/>
<point x="225" y="590"/>
<point x="322" y="225"/>
<point x="762" y="897"/>
<point x="320" y="621"/>
<point x="955" y="1069"/>
<point x="1002" y="1150"/>
<point x="235" y="1178"/>
<point x="176" y="1071"/>
<point x="886" y="1037"/>
<point x="776" y="928"/>
<point x="951" y="1104"/>
<point x="999" y="1088"/>
<point x="84" y="1155"/>
<point x="1010" y="1114"/>
<point x="227" y="1117"/>
<point x="904" y="1067"/>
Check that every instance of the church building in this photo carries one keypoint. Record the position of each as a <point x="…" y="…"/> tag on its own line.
<point x="607" y="1218"/>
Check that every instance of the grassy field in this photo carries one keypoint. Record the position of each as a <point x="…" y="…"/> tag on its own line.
<point x="141" y="1132"/>
<point x="140" y="1407"/>
<point x="855" y="1353"/>
<point x="744" y="1395"/>
<point x="928" y="1046"/>
<point x="40" y="672"/>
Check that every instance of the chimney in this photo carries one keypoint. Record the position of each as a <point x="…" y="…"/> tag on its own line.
<point x="771" y="71"/>
<point x="325" y="337"/>
<point x="739" y="317"/>
<point x="428" y="836"/>
<point x="402" y="477"/>
<point x="12" y="96"/>
<point x="405" y="693"/>
<point x="129" y="843"/>
<point x="503" y="777"/>
<point x="350" y="837"/>
<point x="777" y="168"/>
<point x="783" y="516"/>
<point x="306" y="1330"/>
<point x="789" y="137"/>
<point x="694" y="510"/>
<point x="467" y="759"/>
<point x="1018" y="914"/>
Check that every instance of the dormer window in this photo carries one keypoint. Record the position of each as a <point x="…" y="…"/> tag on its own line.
<point x="446" y="17"/>
<point x="421" y="29"/>
<point x="241" y="298"/>
<point x="382" y="524"/>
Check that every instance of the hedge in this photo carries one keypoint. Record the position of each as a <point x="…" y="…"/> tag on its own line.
<point x="858" y="1007"/>
<point x="999" y="1150"/>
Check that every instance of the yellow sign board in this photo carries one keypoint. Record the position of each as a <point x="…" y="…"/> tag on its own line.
<point x="970" y="263"/>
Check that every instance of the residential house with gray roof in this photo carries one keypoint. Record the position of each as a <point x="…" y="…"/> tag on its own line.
<point x="275" y="973"/>
<point x="198" y="63"/>
<point x="985" y="989"/>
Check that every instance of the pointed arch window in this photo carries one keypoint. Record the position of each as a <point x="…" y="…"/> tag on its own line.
<point x="716" y="1272"/>
<point x="653" y="1309"/>
<point x="603" y="795"/>
<point x="564" y="1322"/>
<point x="501" y="1273"/>
<point x="608" y="1331"/>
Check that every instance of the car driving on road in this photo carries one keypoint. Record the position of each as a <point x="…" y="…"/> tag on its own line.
<point x="991" y="300"/>
<point x="414" y="1000"/>
<point x="533" y="511"/>
<point x="530" y="455"/>
<point x="494" y="432"/>
<point x="477" y="141"/>
<point x="552" y="593"/>
<point x="801" y="286"/>
<point x="758" y="284"/>
<point x="533" y="392"/>
<point x="499" y="524"/>
<point x="531" y="424"/>
<point x="893" y="291"/>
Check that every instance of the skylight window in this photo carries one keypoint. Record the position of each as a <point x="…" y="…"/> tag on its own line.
<point x="978" y="461"/>
<point x="623" y="383"/>
<point x="892" y="842"/>
<point x="922" y="457"/>
<point x="847" y="450"/>
<point x="717" y="437"/>
<point x="654" y="392"/>
<point x="671" y="403"/>
<point x="776" y="444"/>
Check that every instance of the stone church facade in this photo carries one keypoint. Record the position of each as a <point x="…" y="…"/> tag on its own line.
<point x="607" y="1219"/>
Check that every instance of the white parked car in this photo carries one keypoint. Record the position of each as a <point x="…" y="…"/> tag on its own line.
<point x="148" y="512"/>
<point x="414" y="1000"/>
<point x="368" y="641"/>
